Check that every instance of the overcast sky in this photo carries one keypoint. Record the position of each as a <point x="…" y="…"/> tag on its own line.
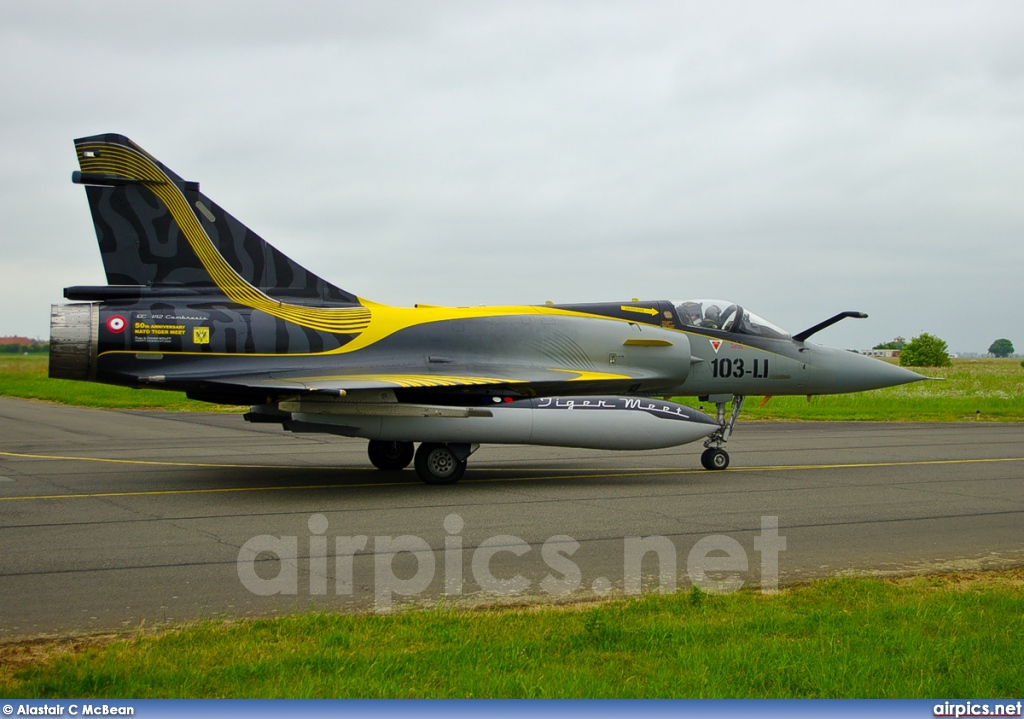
<point x="798" y="158"/>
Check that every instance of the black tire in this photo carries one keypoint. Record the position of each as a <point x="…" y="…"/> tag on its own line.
<point x="714" y="458"/>
<point x="436" y="464"/>
<point x="390" y="456"/>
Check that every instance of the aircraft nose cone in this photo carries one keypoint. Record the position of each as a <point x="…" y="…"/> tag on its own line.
<point x="855" y="373"/>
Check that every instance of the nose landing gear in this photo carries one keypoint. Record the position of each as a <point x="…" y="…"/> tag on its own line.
<point x="714" y="456"/>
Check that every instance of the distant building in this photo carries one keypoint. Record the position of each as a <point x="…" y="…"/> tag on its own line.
<point x="889" y="350"/>
<point x="13" y="345"/>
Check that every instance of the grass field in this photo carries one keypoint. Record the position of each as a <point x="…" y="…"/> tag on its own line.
<point x="25" y="376"/>
<point x="953" y="636"/>
<point x="985" y="389"/>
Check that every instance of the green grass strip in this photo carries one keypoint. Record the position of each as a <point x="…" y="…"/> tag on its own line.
<point x="972" y="389"/>
<point x="26" y="377"/>
<point x="925" y="637"/>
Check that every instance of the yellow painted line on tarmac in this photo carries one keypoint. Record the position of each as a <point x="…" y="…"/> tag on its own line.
<point x="914" y="463"/>
<point x="766" y="468"/>
<point x="158" y="492"/>
<point x="595" y="474"/>
<point x="161" y="463"/>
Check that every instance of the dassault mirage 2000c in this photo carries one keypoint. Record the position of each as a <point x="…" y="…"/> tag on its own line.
<point x="197" y="302"/>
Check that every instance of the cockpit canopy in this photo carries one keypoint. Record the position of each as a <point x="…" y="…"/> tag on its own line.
<point x="725" y="316"/>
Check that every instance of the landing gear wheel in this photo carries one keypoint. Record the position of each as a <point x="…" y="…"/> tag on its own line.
<point x="437" y="464"/>
<point x="390" y="456"/>
<point x="715" y="458"/>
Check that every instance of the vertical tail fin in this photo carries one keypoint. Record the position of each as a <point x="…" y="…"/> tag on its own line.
<point x="158" y="230"/>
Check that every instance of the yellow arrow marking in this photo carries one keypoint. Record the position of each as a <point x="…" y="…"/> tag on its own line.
<point x="640" y="310"/>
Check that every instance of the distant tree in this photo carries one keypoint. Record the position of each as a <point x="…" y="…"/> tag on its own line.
<point x="1001" y="348"/>
<point x="894" y="345"/>
<point x="18" y="349"/>
<point x="925" y="350"/>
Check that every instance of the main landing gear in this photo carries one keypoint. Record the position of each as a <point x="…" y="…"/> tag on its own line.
<point x="438" y="464"/>
<point x="435" y="463"/>
<point x="714" y="455"/>
<point x="390" y="456"/>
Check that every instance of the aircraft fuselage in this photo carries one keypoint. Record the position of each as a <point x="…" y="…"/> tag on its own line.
<point x="633" y="348"/>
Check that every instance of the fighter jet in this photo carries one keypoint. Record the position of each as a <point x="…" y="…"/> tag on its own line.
<point x="197" y="302"/>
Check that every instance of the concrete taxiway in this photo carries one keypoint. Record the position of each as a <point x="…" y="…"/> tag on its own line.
<point x="112" y="520"/>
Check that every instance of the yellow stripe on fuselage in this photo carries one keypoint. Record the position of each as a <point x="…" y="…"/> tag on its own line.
<point x="408" y="380"/>
<point x="387" y="320"/>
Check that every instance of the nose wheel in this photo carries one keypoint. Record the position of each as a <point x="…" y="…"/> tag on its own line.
<point x="714" y="458"/>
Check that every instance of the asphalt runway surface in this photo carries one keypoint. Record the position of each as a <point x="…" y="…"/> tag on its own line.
<point x="114" y="520"/>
